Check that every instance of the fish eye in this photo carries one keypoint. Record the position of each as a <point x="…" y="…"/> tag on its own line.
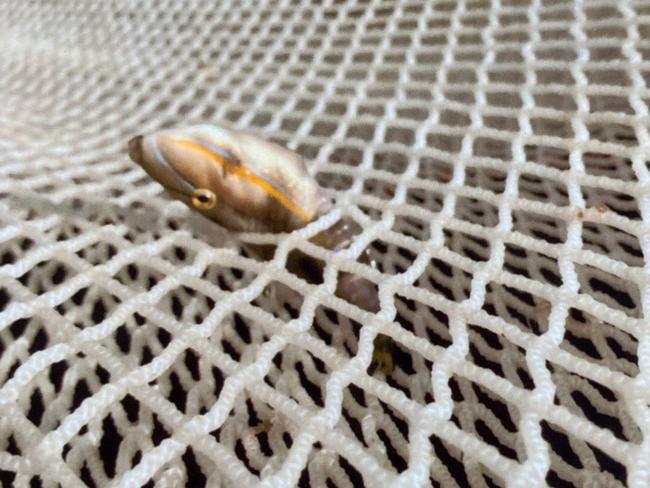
<point x="204" y="199"/>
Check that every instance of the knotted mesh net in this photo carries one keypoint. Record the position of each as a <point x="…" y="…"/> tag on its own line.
<point x="495" y="155"/>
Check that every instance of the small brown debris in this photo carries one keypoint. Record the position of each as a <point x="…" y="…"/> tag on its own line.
<point x="601" y="207"/>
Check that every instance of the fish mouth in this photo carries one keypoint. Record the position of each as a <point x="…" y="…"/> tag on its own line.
<point x="153" y="161"/>
<point x="135" y="149"/>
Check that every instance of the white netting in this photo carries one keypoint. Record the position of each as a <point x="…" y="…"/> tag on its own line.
<point x="495" y="154"/>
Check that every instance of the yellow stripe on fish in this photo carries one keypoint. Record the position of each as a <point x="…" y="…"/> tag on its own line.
<point x="248" y="176"/>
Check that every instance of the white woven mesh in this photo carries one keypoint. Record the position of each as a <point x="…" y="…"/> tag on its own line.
<point x="496" y="157"/>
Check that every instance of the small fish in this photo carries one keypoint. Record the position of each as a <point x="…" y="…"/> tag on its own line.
<point x="248" y="184"/>
<point x="244" y="183"/>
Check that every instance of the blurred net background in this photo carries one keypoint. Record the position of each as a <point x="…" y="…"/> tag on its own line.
<point x="496" y="155"/>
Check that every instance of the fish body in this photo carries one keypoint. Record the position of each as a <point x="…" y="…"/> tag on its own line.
<point x="248" y="184"/>
<point x="257" y="186"/>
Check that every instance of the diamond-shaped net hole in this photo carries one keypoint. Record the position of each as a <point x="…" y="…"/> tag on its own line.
<point x="599" y="404"/>
<point x="574" y="461"/>
<point x="377" y="426"/>
<point x="428" y="200"/>
<point x="611" y="290"/>
<point x="412" y="227"/>
<point x="336" y="330"/>
<point x="345" y="155"/>
<point x="517" y="307"/>
<point x="492" y="148"/>
<point x="110" y="444"/>
<point x="501" y="122"/>
<point x="46" y="275"/>
<point x="334" y="181"/>
<point x="550" y="156"/>
<point x="538" y="226"/>
<point x="489" y="179"/>
<point x="487" y="416"/>
<point x="436" y="170"/>
<point x="531" y="264"/>
<point x="445" y="279"/>
<point x="477" y="211"/>
<point x="617" y="202"/>
<point x="541" y="189"/>
<point x="256" y="435"/>
<point x="299" y="375"/>
<point x="379" y="188"/>
<point x="601" y="343"/>
<point x="454" y="469"/>
<point x="19" y="340"/>
<point x="473" y="247"/>
<point x="14" y="249"/>
<point x="226" y="278"/>
<point x="610" y="165"/>
<point x="389" y="258"/>
<point x="550" y="127"/>
<point x="499" y="355"/>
